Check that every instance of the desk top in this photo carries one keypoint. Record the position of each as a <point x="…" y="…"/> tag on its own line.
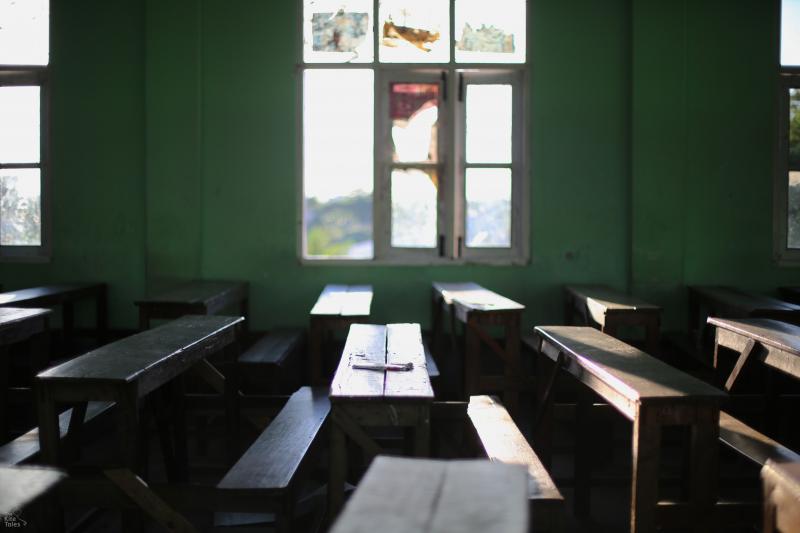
<point x="744" y="303"/>
<point x="395" y="343"/>
<point x="198" y="292"/>
<point x="474" y="298"/>
<point x="11" y="316"/>
<point x="150" y="358"/>
<point x="22" y="485"/>
<point x="606" y="299"/>
<point x="783" y="482"/>
<point x="769" y="332"/>
<point x="344" y="300"/>
<point x="400" y="495"/>
<point x="601" y="361"/>
<point x="47" y="293"/>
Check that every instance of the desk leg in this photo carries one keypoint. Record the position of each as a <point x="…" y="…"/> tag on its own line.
<point x="644" y="489"/>
<point x="49" y="434"/>
<point x="422" y="433"/>
<point x="543" y="424"/>
<point x="513" y="368"/>
<point x="128" y="441"/>
<point x="179" y="428"/>
<point x="436" y="325"/>
<point x="337" y="471"/>
<point x="232" y="406"/>
<point x="472" y="358"/>
<point x="705" y="468"/>
<point x="315" y="337"/>
<point x="583" y="453"/>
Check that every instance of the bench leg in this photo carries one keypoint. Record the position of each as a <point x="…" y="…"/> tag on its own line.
<point x="546" y="374"/>
<point x="583" y="453"/>
<point x="513" y="367"/>
<point x="705" y="468"/>
<point x="472" y="359"/>
<point x="422" y="434"/>
<point x="644" y="489"/>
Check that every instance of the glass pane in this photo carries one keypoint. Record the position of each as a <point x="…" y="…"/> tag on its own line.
<point x="19" y="124"/>
<point x="489" y="118"/>
<point x="488" y="192"/>
<point x="490" y="32"/>
<point x="794" y="129"/>
<point x="24" y="32"/>
<point x="790" y="33"/>
<point x="337" y="32"/>
<point x="338" y="162"/>
<point x="794" y="209"/>
<point x="414" y="201"/>
<point x="20" y="207"/>
<point x="415" y="31"/>
<point x="414" y="110"/>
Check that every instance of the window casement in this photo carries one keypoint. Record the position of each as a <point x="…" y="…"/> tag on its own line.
<point x="413" y="142"/>
<point x="787" y="153"/>
<point x="24" y="169"/>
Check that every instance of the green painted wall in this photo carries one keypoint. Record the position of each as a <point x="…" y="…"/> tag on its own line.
<point x="174" y="154"/>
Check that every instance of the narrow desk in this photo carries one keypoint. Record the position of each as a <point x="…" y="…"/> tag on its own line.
<point x="369" y="398"/>
<point x="337" y="307"/>
<point x="22" y="486"/>
<point x="727" y="302"/>
<point x="477" y="308"/>
<point x="198" y="297"/>
<point x="125" y="372"/>
<point x="650" y="393"/>
<point x="609" y="309"/>
<point x="781" y="483"/>
<point x="399" y="495"/>
<point x="64" y="295"/>
<point x="18" y="325"/>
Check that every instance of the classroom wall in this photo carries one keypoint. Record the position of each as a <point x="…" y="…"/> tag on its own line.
<point x="174" y="154"/>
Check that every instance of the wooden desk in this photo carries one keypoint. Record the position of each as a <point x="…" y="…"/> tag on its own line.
<point x="727" y="302"/>
<point x="650" y="393"/>
<point x="22" y="486"/>
<point x="603" y="307"/>
<point x="64" y="295"/>
<point x="477" y="308"/>
<point x="198" y="297"/>
<point x="369" y="398"/>
<point x="781" y="483"/>
<point x="337" y="307"/>
<point x="400" y="495"/>
<point x="18" y="325"/>
<point x="125" y="372"/>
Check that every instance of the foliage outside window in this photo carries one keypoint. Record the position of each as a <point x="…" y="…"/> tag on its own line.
<point x="412" y="130"/>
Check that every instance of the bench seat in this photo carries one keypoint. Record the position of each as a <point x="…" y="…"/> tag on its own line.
<point x="751" y="444"/>
<point x="273" y="348"/>
<point x="270" y="365"/>
<point x="272" y="465"/>
<point x="502" y="441"/>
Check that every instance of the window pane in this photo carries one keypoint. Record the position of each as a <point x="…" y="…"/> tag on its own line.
<point x="488" y="192"/>
<point x="24" y="28"/>
<point x="489" y="112"/>
<point x="794" y="129"/>
<point x="19" y="124"/>
<point x="414" y="201"/>
<point x="414" y="110"/>
<point x="337" y="32"/>
<point x="338" y="162"/>
<point x="490" y="32"/>
<point x="415" y="31"/>
<point x="790" y="33"/>
<point x="794" y="169"/>
<point x="20" y="207"/>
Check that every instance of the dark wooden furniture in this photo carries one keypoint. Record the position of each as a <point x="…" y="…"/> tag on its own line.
<point x="790" y="294"/>
<point x="269" y="472"/>
<point x="400" y="495"/>
<point x="198" y="297"/>
<point x="648" y="392"/>
<point x="18" y="325"/>
<point x="64" y="295"/>
<point x="501" y="441"/>
<point x="125" y="372"/>
<point x="366" y="398"/>
<point x="781" y="483"/>
<point x="728" y="302"/>
<point x="270" y="364"/>
<point x="22" y="486"/>
<point x="337" y="307"/>
<point x="608" y="309"/>
<point x="477" y="308"/>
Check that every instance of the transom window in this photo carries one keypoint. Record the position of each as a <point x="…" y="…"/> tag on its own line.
<point x="413" y="131"/>
<point x="24" y="56"/>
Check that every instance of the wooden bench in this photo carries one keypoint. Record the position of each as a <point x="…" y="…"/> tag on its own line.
<point x="267" y="361"/>
<point x="648" y="392"/>
<point x="400" y="495"/>
<point x="337" y="307"/>
<point x="266" y="476"/>
<point x="502" y="441"/>
<point x="608" y="309"/>
<point x="199" y="297"/>
<point x="23" y="486"/>
<point x="781" y="483"/>
<point x="64" y="295"/>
